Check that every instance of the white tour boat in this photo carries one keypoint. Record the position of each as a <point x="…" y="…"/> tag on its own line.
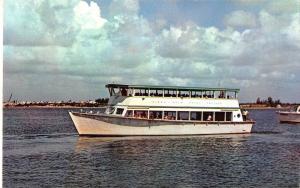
<point x="290" y="116"/>
<point x="145" y="110"/>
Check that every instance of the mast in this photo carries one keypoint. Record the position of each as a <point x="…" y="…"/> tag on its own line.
<point x="9" y="98"/>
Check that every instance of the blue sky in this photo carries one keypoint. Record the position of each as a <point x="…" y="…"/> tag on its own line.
<point x="69" y="49"/>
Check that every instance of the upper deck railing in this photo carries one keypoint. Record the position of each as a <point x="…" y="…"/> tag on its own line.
<point x="171" y="91"/>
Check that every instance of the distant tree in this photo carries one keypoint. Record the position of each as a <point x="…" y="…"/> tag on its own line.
<point x="106" y="100"/>
<point x="98" y="100"/>
<point x="102" y="100"/>
<point x="277" y="102"/>
<point x="258" y="101"/>
<point x="270" y="101"/>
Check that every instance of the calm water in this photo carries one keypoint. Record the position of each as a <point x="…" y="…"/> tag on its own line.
<point x="42" y="149"/>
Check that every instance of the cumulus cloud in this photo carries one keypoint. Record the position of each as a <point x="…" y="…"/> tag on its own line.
<point x="88" y="16"/>
<point x="39" y="22"/>
<point x="50" y="46"/>
<point x="240" y="18"/>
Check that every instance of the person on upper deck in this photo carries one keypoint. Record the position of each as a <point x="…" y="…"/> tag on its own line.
<point x="124" y="92"/>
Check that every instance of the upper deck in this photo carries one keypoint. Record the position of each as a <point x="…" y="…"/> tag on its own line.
<point x="171" y="91"/>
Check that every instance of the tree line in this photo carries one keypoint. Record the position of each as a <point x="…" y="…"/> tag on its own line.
<point x="103" y="101"/>
<point x="269" y="101"/>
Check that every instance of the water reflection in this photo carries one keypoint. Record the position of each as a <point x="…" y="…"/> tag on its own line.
<point x="88" y="143"/>
<point x="162" y="161"/>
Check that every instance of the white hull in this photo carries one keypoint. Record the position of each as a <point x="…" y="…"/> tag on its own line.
<point x="90" y="126"/>
<point x="292" y="117"/>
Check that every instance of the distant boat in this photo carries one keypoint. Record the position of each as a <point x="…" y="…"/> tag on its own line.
<point x="290" y="116"/>
<point x="144" y="110"/>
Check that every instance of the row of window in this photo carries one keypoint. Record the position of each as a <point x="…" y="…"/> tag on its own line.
<point x="177" y="115"/>
<point x="175" y="93"/>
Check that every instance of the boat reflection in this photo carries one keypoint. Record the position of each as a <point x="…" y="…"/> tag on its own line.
<point x="160" y="161"/>
<point x="141" y="142"/>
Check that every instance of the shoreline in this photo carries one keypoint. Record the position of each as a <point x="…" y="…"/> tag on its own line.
<point x="61" y="107"/>
<point x="261" y="108"/>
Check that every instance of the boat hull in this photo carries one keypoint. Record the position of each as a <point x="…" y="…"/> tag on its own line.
<point x="104" y="125"/>
<point x="289" y="117"/>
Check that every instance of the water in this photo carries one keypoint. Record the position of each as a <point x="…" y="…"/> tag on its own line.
<point x="41" y="149"/>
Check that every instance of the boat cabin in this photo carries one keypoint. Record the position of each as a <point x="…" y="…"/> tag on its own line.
<point x="171" y="91"/>
<point x="174" y="103"/>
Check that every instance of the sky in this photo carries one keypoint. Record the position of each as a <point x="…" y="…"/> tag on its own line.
<point x="69" y="49"/>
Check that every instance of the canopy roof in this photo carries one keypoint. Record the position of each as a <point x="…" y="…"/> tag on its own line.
<point x="180" y="88"/>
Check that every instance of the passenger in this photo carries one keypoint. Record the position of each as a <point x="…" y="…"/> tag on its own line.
<point x="124" y="92"/>
<point x="151" y="116"/>
<point x="209" y="118"/>
<point x="158" y="116"/>
<point x="245" y="115"/>
<point x="221" y="94"/>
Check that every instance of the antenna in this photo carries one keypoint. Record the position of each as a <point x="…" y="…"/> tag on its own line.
<point x="219" y="83"/>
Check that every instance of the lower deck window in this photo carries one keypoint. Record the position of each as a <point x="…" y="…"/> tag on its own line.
<point x="155" y="114"/>
<point x="141" y="114"/>
<point x="208" y="116"/>
<point x="129" y="113"/>
<point x="183" y="116"/>
<point x="170" y="115"/>
<point x="196" y="116"/>
<point x="119" y="111"/>
<point x="219" y="116"/>
<point x="228" y="116"/>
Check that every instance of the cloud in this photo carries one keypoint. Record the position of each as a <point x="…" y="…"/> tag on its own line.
<point x="287" y="6"/>
<point x="39" y="22"/>
<point x="52" y="46"/>
<point x="276" y="7"/>
<point x="88" y="16"/>
<point x="240" y="18"/>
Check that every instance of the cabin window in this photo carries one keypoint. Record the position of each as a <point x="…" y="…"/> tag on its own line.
<point x="155" y="114"/>
<point x="219" y="116"/>
<point x="168" y="93"/>
<point x="170" y="115"/>
<point x="152" y="92"/>
<point x="156" y="93"/>
<point x="129" y="113"/>
<point x="220" y="94"/>
<point x="119" y="111"/>
<point x="137" y="92"/>
<point x="145" y="92"/>
<point x="228" y="116"/>
<point x="196" y="94"/>
<point x="183" y="116"/>
<point x="183" y="94"/>
<point x="159" y="93"/>
<point x="208" y="116"/>
<point x="196" y="116"/>
<point x="141" y="114"/>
